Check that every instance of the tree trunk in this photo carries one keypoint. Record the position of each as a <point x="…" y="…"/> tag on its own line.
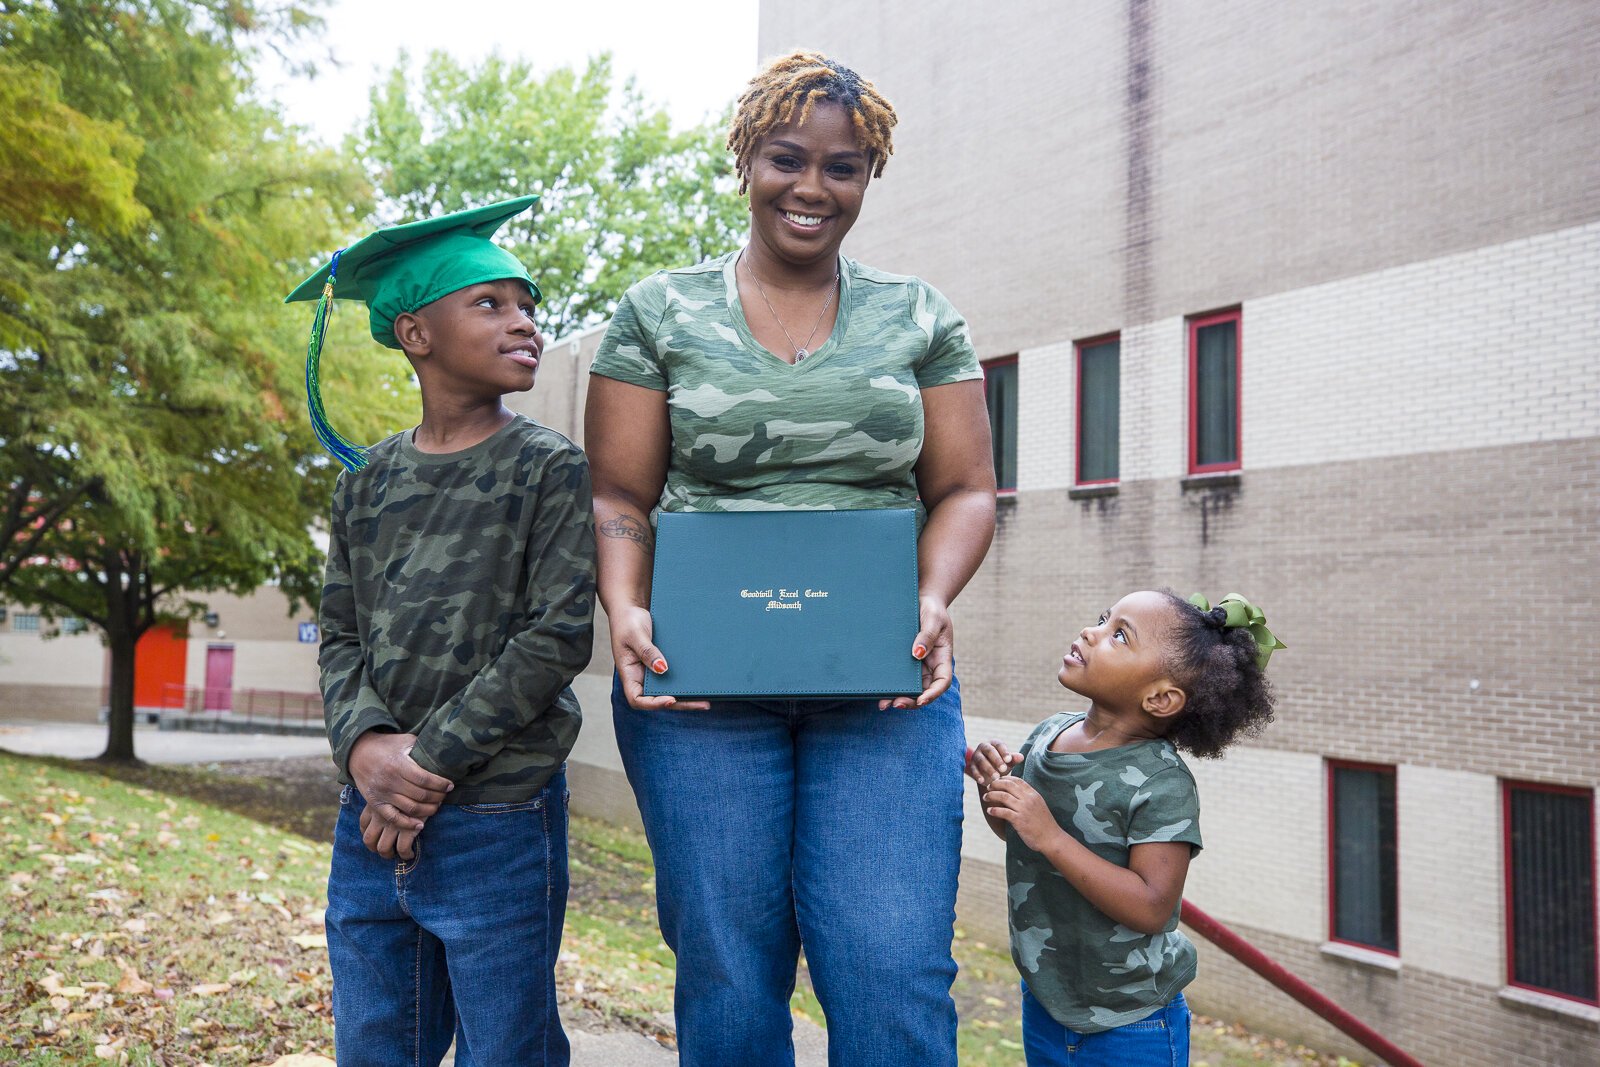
<point x="119" y="720"/>
<point x="122" y="639"/>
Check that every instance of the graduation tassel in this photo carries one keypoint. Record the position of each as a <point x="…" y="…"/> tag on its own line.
<point x="351" y="455"/>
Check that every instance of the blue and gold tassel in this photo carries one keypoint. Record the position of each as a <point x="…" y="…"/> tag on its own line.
<point x="348" y="453"/>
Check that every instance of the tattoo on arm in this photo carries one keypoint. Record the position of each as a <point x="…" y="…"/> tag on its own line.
<point x="629" y="529"/>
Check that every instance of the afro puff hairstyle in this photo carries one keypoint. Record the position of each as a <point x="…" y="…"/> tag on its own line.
<point x="1228" y="695"/>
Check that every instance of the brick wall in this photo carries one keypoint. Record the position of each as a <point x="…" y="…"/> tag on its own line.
<point x="1059" y="176"/>
<point x="1442" y="1020"/>
<point x="50" y="702"/>
<point x="1495" y="346"/>
<point x="1397" y="582"/>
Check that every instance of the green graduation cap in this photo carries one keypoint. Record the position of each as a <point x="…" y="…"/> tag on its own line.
<point x="399" y="269"/>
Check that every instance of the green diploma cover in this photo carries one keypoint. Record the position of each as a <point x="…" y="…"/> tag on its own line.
<point x="787" y="604"/>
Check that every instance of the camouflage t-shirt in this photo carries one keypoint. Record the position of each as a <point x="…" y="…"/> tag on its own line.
<point x="1090" y="972"/>
<point x="459" y="606"/>
<point x="841" y="429"/>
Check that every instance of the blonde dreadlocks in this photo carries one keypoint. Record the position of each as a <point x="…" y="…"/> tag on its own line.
<point x="800" y="80"/>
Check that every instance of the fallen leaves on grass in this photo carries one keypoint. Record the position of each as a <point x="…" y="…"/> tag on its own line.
<point x="137" y="928"/>
<point x="1230" y="1042"/>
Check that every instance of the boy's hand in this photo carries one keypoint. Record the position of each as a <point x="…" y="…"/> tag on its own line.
<point x="396" y="789"/>
<point x="1011" y="800"/>
<point x="990" y="761"/>
<point x="384" y="839"/>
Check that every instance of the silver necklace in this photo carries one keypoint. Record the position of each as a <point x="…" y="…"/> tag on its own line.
<point x="800" y="351"/>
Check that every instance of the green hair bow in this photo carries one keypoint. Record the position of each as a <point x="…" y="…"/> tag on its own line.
<point x="1241" y="613"/>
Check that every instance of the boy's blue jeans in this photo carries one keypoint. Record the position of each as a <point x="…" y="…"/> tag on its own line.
<point x="460" y="941"/>
<point x="1160" y="1039"/>
<point x="781" y="822"/>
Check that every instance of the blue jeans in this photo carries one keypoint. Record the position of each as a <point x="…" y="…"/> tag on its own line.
<point x="829" y="824"/>
<point x="1160" y="1039"/>
<point x="460" y="941"/>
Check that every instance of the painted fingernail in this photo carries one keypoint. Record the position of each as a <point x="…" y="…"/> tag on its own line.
<point x="919" y="650"/>
<point x="659" y="666"/>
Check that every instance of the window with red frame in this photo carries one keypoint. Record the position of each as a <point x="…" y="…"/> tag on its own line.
<point x="1363" y="859"/>
<point x="1099" y="409"/>
<point x="1000" y="394"/>
<point x="1214" y="392"/>
<point x="1550" y="906"/>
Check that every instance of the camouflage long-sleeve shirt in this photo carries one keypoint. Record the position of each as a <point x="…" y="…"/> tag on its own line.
<point x="459" y="606"/>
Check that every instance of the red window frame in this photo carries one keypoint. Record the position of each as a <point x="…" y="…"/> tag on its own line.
<point x="1381" y="768"/>
<point x="1506" y="787"/>
<point x="1077" y="404"/>
<point x="1196" y="323"/>
<point x="987" y="364"/>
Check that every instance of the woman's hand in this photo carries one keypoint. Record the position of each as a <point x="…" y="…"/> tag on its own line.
<point x="634" y="653"/>
<point x="935" y="647"/>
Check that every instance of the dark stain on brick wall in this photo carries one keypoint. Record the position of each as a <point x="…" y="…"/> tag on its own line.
<point x="1139" y="111"/>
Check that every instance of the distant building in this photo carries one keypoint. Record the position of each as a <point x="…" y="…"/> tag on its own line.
<point x="247" y="656"/>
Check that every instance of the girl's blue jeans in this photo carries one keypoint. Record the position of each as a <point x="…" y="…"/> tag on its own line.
<point x="781" y="823"/>
<point x="460" y="941"/>
<point x="1160" y="1039"/>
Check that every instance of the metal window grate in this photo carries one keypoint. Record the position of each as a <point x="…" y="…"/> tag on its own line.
<point x="1000" y="394"/>
<point x="1364" y="858"/>
<point x="1099" y="411"/>
<point x="1550" y="883"/>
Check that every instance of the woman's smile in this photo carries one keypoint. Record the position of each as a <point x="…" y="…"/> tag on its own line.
<point x="810" y="223"/>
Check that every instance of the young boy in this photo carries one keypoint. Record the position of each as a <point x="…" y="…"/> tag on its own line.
<point x="458" y="608"/>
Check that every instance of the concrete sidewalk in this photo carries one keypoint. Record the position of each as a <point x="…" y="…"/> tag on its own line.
<point x="85" y="740"/>
<point x="622" y="1049"/>
<point x="593" y="1045"/>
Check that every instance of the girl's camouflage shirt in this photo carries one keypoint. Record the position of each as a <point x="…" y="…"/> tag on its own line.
<point x="459" y="606"/>
<point x="1090" y="972"/>
<point x="841" y="429"/>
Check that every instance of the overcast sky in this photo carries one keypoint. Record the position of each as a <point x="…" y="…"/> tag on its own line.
<point x="693" y="57"/>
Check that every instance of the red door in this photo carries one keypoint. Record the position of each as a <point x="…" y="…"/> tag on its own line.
<point x="219" y="677"/>
<point x="158" y="666"/>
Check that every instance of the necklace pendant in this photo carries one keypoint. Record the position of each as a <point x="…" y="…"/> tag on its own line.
<point x="800" y="354"/>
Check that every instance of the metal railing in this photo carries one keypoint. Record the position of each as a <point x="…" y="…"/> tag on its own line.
<point x="1274" y="972"/>
<point x="276" y="706"/>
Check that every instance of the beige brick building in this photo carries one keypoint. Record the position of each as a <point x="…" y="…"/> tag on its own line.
<point x="252" y="647"/>
<point x="1401" y="204"/>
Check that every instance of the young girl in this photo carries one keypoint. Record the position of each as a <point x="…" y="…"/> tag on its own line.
<point x="1102" y="818"/>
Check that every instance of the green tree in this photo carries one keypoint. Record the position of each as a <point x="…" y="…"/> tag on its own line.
<point x="623" y="195"/>
<point x="154" y="438"/>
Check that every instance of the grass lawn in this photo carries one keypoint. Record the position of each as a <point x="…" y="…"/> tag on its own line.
<point x="148" y="929"/>
<point x="143" y="923"/>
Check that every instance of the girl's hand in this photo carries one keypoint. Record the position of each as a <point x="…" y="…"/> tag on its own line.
<point x="1011" y="800"/>
<point x="633" y="653"/>
<point x="990" y="761"/>
<point x="934" y="645"/>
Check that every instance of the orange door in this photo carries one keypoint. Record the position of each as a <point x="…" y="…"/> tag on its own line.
<point x="159" y="663"/>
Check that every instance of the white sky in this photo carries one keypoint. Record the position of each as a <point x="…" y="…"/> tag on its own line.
<point x="692" y="57"/>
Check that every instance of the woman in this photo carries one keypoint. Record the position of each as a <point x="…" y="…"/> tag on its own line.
<point x="786" y="376"/>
